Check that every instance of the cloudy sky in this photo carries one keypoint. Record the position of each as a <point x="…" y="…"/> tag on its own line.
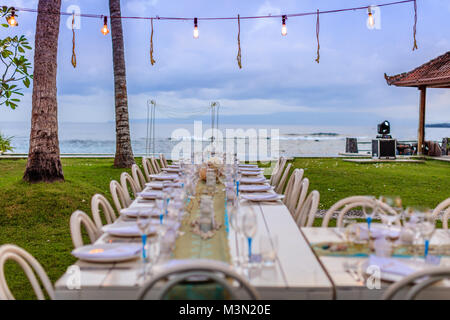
<point x="279" y="74"/>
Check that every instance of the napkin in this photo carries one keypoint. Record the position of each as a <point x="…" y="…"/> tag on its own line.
<point x="249" y="169"/>
<point x="164" y="176"/>
<point x="261" y="197"/>
<point x="248" y="166"/>
<point x="126" y="230"/>
<point x="136" y="210"/>
<point x="253" y="180"/>
<point x="254" y="187"/>
<point x="250" y="173"/>
<point x="151" y="194"/>
<point x="154" y="185"/>
<point x="390" y="265"/>
<point x="107" y="251"/>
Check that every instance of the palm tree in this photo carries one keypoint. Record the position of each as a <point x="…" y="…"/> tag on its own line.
<point x="44" y="163"/>
<point x="124" y="154"/>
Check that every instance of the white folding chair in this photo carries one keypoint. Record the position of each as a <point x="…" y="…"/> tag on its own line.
<point x="415" y="283"/>
<point x="30" y="266"/>
<point x="127" y="182"/>
<point x="190" y="271"/>
<point x="280" y="186"/>
<point x="78" y="219"/>
<point x="120" y="199"/>
<point x="163" y="161"/>
<point x="148" y="169"/>
<point x="138" y="176"/>
<point x="343" y="206"/>
<point x="302" y="193"/>
<point x="98" y="202"/>
<point x="308" y="210"/>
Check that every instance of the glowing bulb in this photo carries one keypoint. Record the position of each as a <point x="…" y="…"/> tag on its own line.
<point x="283" y="26"/>
<point x="105" y="29"/>
<point x="371" y="19"/>
<point x="12" y="18"/>
<point x="195" y="29"/>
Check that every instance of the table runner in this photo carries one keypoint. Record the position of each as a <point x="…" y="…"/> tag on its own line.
<point x="362" y="250"/>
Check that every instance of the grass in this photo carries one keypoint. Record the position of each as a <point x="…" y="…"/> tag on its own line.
<point x="36" y="216"/>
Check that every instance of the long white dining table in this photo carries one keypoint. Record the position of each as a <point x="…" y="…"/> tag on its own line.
<point x="296" y="274"/>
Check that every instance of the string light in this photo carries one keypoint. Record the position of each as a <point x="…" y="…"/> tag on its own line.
<point x="283" y="26"/>
<point x="195" y="29"/>
<point x="105" y="30"/>
<point x="371" y="18"/>
<point x="12" y="18"/>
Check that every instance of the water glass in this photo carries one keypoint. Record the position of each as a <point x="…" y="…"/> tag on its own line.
<point x="268" y="246"/>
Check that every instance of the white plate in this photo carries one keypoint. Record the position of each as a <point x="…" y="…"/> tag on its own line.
<point x="108" y="252"/>
<point x="155" y="185"/>
<point x="254" y="187"/>
<point x="262" y="197"/>
<point x="250" y="173"/>
<point x="125" y="229"/>
<point x="151" y="194"/>
<point x="248" y="166"/>
<point x="176" y="170"/>
<point x="134" y="212"/>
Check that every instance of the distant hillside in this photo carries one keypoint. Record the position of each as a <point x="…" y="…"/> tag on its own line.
<point x="438" y="125"/>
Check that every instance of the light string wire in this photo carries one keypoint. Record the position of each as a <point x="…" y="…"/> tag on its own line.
<point x="86" y="15"/>
<point x="415" y="26"/>
<point x="317" y="36"/>
<point x="239" y="57"/>
<point x="74" y="56"/>
<point x="152" y="61"/>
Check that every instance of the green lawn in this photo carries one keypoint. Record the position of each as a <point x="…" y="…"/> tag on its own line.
<point x="36" y="216"/>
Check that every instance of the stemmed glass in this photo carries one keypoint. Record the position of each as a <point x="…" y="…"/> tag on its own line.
<point x="143" y="222"/>
<point x="390" y="216"/>
<point x="369" y="213"/>
<point x="249" y="226"/>
<point x="426" y="227"/>
<point x="235" y="219"/>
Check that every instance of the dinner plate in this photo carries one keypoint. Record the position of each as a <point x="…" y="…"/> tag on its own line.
<point x="108" y="252"/>
<point x="151" y="194"/>
<point x="250" y="173"/>
<point x="134" y="212"/>
<point x="125" y="229"/>
<point x="248" y="166"/>
<point x="176" y="170"/>
<point x="262" y="197"/>
<point x="155" y="185"/>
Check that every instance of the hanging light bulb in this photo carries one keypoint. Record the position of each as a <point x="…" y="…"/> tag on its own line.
<point x="195" y="29"/>
<point x="12" y="18"/>
<point x="105" y="29"/>
<point x="371" y="18"/>
<point x="283" y="26"/>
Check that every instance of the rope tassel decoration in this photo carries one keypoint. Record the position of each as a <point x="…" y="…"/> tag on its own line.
<point x="415" y="26"/>
<point x="317" y="36"/>
<point x="152" y="61"/>
<point x="239" y="57"/>
<point x="74" y="56"/>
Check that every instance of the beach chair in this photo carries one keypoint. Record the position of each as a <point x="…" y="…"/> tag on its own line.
<point x="30" y="266"/>
<point x="99" y="202"/>
<point x="78" y="219"/>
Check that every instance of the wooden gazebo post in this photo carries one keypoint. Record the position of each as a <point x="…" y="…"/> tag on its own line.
<point x="433" y="74"/>
<point x="421" y="133"/>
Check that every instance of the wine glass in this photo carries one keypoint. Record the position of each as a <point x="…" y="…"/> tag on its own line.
<point x="426" y="227"/>
<point x="143" y="222"/>
<point x="369" y="212"/>
<point x="389" y="216"/>
<point x="249" y="227"/>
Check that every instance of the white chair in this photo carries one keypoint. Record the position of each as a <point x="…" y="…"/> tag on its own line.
<point x="127" y="182"/>
<point x="277" y="171"/>
<point x="30" y="266"/>
<point x="343" y="206"/>
<point x="308" y="210"/>
<point x="138" y="176"/>
<point x="443" y="206"/>
<point x="77" y="219"/>
<point x="191" y="270"/>
<point x="279" y="187"/>
<point x="163" y="161"/>
<point x="419" y="281"/>
<point x="155" y="165"/>
<point x="121" y="201"/>
<point x="98" y="202"/>
<point x="148" y="169"/>
<point x="291" y="193"/>
<point x="302" y="193"/>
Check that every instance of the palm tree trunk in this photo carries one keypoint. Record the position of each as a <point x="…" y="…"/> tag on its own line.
<point x="124" y="154"/>
<point x="44" y="163"/>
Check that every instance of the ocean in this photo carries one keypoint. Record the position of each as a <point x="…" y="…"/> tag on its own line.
<point x="99" y="138"/>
